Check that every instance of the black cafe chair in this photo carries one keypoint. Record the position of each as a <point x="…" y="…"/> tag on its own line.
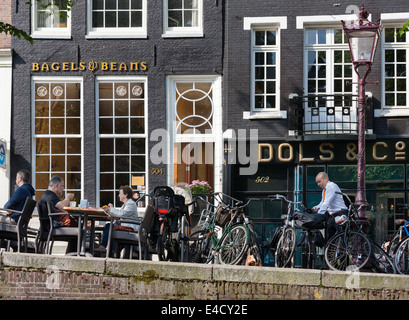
<point x="20" y="232"/>
<point x="120" y="237"/>
<point x="65" y="234"/>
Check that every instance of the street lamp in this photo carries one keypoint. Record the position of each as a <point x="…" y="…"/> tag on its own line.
<point x="362" y="36"/>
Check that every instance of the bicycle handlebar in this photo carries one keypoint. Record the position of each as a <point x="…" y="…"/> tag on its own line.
<point x="280" y="196"/>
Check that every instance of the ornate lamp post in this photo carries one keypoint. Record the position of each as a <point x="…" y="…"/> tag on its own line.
<point x="362" y="38"/>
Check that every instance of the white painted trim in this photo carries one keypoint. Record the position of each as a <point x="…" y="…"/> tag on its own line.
<point x="302" y="21"/>
<point x="279" y="114"/>
<point x="6" y="62"/>
<point x="250" y="22"/>
<point x="394" y="17"/>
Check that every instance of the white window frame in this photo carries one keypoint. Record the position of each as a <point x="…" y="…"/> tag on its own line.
<point x="144" y="135"/>
<point x="175" y="32"/>
<point x="113" y="33"/>
<point x="217" y="133"/>
<point x="254" y="24"/>
<point x="393" y="20"/>
<point x="48" y="33"/>
<point x="35" y="80"/>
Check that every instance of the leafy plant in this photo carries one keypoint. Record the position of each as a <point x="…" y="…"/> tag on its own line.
<point x="199" y="187"/>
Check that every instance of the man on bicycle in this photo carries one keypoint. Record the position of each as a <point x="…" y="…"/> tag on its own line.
<point x="332" y="203"/>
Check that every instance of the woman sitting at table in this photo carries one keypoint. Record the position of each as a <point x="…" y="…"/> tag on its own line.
<point x="128" y="210"/>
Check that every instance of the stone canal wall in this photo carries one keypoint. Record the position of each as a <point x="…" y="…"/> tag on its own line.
<point x="32" y="276"/>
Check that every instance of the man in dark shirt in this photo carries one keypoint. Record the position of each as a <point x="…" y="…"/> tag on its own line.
<point x="52" y="196"/>
<point x="19" y="197"/>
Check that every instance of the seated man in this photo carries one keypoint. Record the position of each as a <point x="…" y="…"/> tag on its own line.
<point x="52" y="196"/>
<point x="18" y="199"/>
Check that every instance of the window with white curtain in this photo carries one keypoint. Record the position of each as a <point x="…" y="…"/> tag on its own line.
<point x="50" y="19"/>
<point x="182" y="18"/>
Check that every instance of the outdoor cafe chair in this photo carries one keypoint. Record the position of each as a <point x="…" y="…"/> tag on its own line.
<point x="19" y="232"/>
<point x="66" y="234"/>
<point x="120" y="236"/>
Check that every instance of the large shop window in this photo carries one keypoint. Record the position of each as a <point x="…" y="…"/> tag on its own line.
<point x="122" y="128"/>
<point x="57" y="134"/>
<point x="49" y="20"/>
<point x="117" y="18"/>
<point x="385" y="191"/>
<point x="183" y="18"/>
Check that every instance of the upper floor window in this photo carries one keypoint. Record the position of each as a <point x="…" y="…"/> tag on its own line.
<point x="50" y="20"/>
<point x="265" y="67"/>
<point x="394" y="80"/>
<point x="183" y="18"/>
<point x="116" y="18"/>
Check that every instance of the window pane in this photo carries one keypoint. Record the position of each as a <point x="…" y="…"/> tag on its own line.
<point x="110" y="19"/>
<point x="136" y="19"/>
<point x="271" y="38"/>
<point x="106" y="145"/>
<point x="389" y="34"/>
<point x="123" y="4"/>
<point x="136" y="4"/>
<point x="121" y="125"/>
<point x="97" y="19"/>
<point x="105" y="90"/>
<point x="175" y="19"/>
<point x="175" y="4"/>
<point x="110" y="4"/>
<point x="123" y="19"/>
<point x="260" y="35"/>
<point x="73" y="108"/>
<point x="74" y="145"/>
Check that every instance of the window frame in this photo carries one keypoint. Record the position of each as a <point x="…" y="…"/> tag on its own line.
<point x="174" y="32"/>
<point x="48" y="33"/>
<point x="254" y="24"/>
<point x="119" y="79"/>
<point x="393" y="111"/>
<point x="117" y="32"/>
<point x="34" y="136"/>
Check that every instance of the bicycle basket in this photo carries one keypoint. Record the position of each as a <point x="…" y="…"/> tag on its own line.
<point x="222" y="217"/>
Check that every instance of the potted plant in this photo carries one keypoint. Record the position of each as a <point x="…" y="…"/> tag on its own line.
<point x="199" y="187"/>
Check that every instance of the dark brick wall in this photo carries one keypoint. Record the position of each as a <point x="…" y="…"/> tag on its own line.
<point x="237" y="62"/>
<point x="164" y="56"/>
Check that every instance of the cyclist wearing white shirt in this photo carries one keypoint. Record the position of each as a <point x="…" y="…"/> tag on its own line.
<point x="332" y="202"/>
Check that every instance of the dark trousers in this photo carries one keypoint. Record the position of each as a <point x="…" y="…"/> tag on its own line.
<point x="331" y="227"/>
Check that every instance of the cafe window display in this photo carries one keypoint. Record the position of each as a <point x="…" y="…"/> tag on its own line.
<point x="122" y="156"/>
<point x="57" y="134"/>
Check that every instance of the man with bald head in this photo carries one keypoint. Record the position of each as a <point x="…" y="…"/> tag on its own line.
<point x="332" y="203"/>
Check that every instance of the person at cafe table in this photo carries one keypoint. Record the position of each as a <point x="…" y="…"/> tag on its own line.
<point x="52" y="196"/>
<point x="128" y="210"/>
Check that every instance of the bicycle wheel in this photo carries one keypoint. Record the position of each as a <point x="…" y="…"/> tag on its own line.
<point x="308" y="252"/>
<point x="199" y="247"/>
<point x="345" y="250"/>
<point x="233" y="244"/>
<point x="402" y="257"/>
<point x="166" y="245"/>
<point x="285" y="248"/>
<point x="254" y="248"/>
<point x="380" y="260"/>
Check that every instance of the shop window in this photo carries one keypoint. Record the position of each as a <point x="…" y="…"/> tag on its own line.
<point x="57" y="134"/>
<point x="121" y="136"/>
<point x="116" y="18"/>
<point x="182" y="18"/>
<point x="50" y="19"/>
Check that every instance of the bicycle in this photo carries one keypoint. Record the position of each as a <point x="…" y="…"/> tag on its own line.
<point x="284" y="251"/>
<point x="349" y="247"/>
<point x="311" y="240"/>
<point x="230" y="248"/>
<point x="398" y="247"/>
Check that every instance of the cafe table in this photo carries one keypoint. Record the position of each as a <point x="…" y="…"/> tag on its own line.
<point x="88" y="214"/>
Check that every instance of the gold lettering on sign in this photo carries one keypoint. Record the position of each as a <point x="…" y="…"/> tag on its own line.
<point x="326" y="151"/>
<point x="400" y="154"/>
<point x="280" y="152"/>
<point x="270" y="152"/>
<point x="351" y="152"/>
<point x="301" y="154"/>
<point x="90" y="66"/>
<point x="374" y="149"/>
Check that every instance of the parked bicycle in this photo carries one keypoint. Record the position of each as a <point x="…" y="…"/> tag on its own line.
<point x="237" y="235"/>
<point x="286" y="235"/>
<point x="349" y="247"/>
<point x="403" y="232"/>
